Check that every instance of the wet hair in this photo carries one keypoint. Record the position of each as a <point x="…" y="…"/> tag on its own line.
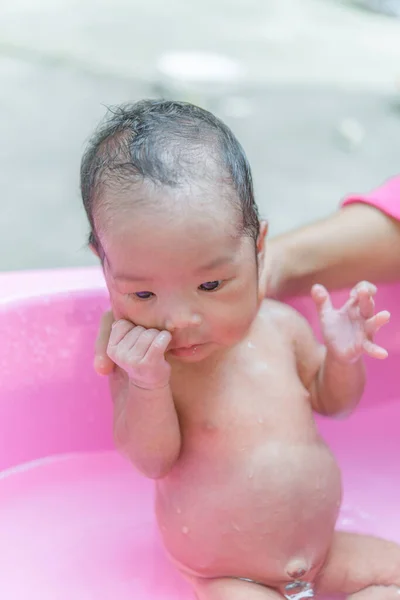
<point x="167" y="143"/>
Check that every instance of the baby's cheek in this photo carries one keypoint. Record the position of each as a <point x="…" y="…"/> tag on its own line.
<point x="136" y="312"/>
<point x="234" y="324"/>
<point x="122" y="308"/>
<point x="118" y="309"/>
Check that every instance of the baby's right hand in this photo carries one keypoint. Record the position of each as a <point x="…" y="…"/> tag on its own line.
<point x="141" y="353"/>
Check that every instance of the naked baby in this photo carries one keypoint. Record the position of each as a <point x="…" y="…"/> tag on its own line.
<point x="215" y="387"/>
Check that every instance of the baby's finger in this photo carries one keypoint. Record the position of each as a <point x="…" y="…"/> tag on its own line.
<point x="128" y="343"/>
<point x="374" y="351"/>
<point x="366" y="303"/>
<point x="361" y="300"/>
<point x="103" y="365"/>
<point x="119" y="330"/>
<point x="123" y="337"/>
<point x="375" y="323"/>
<point x="159" y="346"/>
<point x="364" y="286"/>
<point x="321" y="297"/>
<point x="143" y="343"/>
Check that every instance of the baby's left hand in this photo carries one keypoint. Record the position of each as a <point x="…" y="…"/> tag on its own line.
<point x="348" y="332"/>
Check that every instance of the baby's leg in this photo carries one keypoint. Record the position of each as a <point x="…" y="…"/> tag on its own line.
<point x="365" y="567"/>
<point x="232" y="589"/>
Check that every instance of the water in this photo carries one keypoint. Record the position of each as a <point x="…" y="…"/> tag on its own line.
<point x="82" y="527"/>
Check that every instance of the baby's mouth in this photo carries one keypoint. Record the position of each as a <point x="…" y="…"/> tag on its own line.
<point x="184" y="350"/>
<point x="182" y="346"/>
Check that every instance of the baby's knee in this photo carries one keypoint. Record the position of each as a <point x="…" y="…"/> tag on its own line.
<point x="232" y="589"/>
<point x="392" y="566"/>
<point x="377" y="592"/>
<point x="359" y="563"/>
<point x="383" y="566"/>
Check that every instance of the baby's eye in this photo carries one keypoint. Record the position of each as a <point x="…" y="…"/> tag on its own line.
<point x="143" y="295"/>
<point x="210" y="286"/>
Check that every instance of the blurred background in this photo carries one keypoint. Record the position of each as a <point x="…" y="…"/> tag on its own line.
<point x="311" y="88"/>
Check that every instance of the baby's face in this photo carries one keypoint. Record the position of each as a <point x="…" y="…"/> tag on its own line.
<point x="187" y="271"/>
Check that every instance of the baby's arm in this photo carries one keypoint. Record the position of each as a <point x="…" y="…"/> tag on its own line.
<point x="335" y="387"/>
<point x="146" y="426"/>
<point x="334" y="373"/>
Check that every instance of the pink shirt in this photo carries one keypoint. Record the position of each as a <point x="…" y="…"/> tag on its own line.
<point x="386" y="198"/>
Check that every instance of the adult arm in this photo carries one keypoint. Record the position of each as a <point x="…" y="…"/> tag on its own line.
<point x="359" y="242"/>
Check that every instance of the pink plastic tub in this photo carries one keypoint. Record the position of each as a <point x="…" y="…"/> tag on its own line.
<point x="76" y="521"/>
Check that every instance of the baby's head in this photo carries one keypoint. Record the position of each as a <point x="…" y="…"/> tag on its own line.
<point x="168" y="192"/>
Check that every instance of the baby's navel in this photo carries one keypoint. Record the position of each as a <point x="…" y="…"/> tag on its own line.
<point x="297" y="569"/>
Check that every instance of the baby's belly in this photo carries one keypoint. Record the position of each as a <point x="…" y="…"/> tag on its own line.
<point x="251" y="512"/>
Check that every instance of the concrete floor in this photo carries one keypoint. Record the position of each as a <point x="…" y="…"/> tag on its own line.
<point x="315" y="73"/>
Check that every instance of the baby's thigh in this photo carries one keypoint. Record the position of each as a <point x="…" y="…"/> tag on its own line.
<point x="232" y="589"/>
<point x="356" y="562"/>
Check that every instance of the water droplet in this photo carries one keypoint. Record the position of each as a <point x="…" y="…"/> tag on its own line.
<point x="363" y="515"/>
<point x="250" y="345"/>
<point x="235" y="527"/>
<point x="185" y="530"/>
<point x="250" y="474"/>
<point x="260" y="420"/>
<point x="179" y="510"/>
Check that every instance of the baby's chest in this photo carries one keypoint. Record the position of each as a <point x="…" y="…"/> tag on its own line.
<point x="244" y="395"/>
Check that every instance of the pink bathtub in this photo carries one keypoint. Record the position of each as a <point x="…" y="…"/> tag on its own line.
<point x="76" y="520"/>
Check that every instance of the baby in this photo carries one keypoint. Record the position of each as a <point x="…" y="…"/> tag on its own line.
<point x="215" y="387"/>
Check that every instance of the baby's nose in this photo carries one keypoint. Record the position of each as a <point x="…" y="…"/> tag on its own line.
<point x="182" y="321"/>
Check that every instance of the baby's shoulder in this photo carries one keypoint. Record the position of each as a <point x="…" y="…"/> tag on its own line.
<point x="281" y="319"/>
<point x="278" y="314"/>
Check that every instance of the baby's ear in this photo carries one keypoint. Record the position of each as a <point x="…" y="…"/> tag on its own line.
<point x="261" y="239"/>
<point x="94" y="250"/>
<point x="93" y="245"/>
<point x="262" y="270"/>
